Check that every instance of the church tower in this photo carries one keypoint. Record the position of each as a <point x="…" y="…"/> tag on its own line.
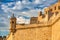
<point x="13" y="24"/>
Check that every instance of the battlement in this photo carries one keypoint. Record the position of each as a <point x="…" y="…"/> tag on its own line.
<point x="47" y="24"/>
<point x="43" y="18"/>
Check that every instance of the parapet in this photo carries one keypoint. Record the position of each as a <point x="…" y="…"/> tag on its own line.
<point x="31" y="26"/>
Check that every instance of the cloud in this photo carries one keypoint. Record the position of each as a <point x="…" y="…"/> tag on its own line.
<point x="25" y="2"/>
<point x="10" y="4"/>
<point x="18" y="5"/>
<point x="20" y="20"/>
<point x="4" y="21"/>
<point x="5" y="8"/>
<point x="38" y="1"/>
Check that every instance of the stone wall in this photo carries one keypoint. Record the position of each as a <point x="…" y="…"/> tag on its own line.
<point x="38" y="33"/>
<point x="56" y="30"/>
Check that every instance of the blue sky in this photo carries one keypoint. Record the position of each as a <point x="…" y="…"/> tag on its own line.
<point x="23" y="9"/>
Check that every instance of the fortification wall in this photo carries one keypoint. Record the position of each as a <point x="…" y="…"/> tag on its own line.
<point x="56" y="30"/>
<point x="37" y="33"/>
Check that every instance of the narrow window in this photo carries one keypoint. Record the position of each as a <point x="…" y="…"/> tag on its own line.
<point x="59" y="7"/>
<point x="55" y="8"/>
<point x="12" y="22"/>
<point x="50" y="10"/>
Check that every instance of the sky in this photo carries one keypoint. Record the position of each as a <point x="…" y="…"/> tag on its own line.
<point x="22" y="9"/>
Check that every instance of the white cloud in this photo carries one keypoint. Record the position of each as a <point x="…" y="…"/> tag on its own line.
<point x="18" y="5"/>
<point x="26" y="2"/>
<point x="20" y="20"/>
<point x="27" y="21"/>
<point x="29" y="13"/>
<point x="11" y="3"/>
<point x="37" y="1"/>
<point x="5" y="8"/>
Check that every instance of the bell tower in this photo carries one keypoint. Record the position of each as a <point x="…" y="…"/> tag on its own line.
<point x="13" y="24"/>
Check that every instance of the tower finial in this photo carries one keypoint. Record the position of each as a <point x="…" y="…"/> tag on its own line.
<point x="13" y="15"/>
